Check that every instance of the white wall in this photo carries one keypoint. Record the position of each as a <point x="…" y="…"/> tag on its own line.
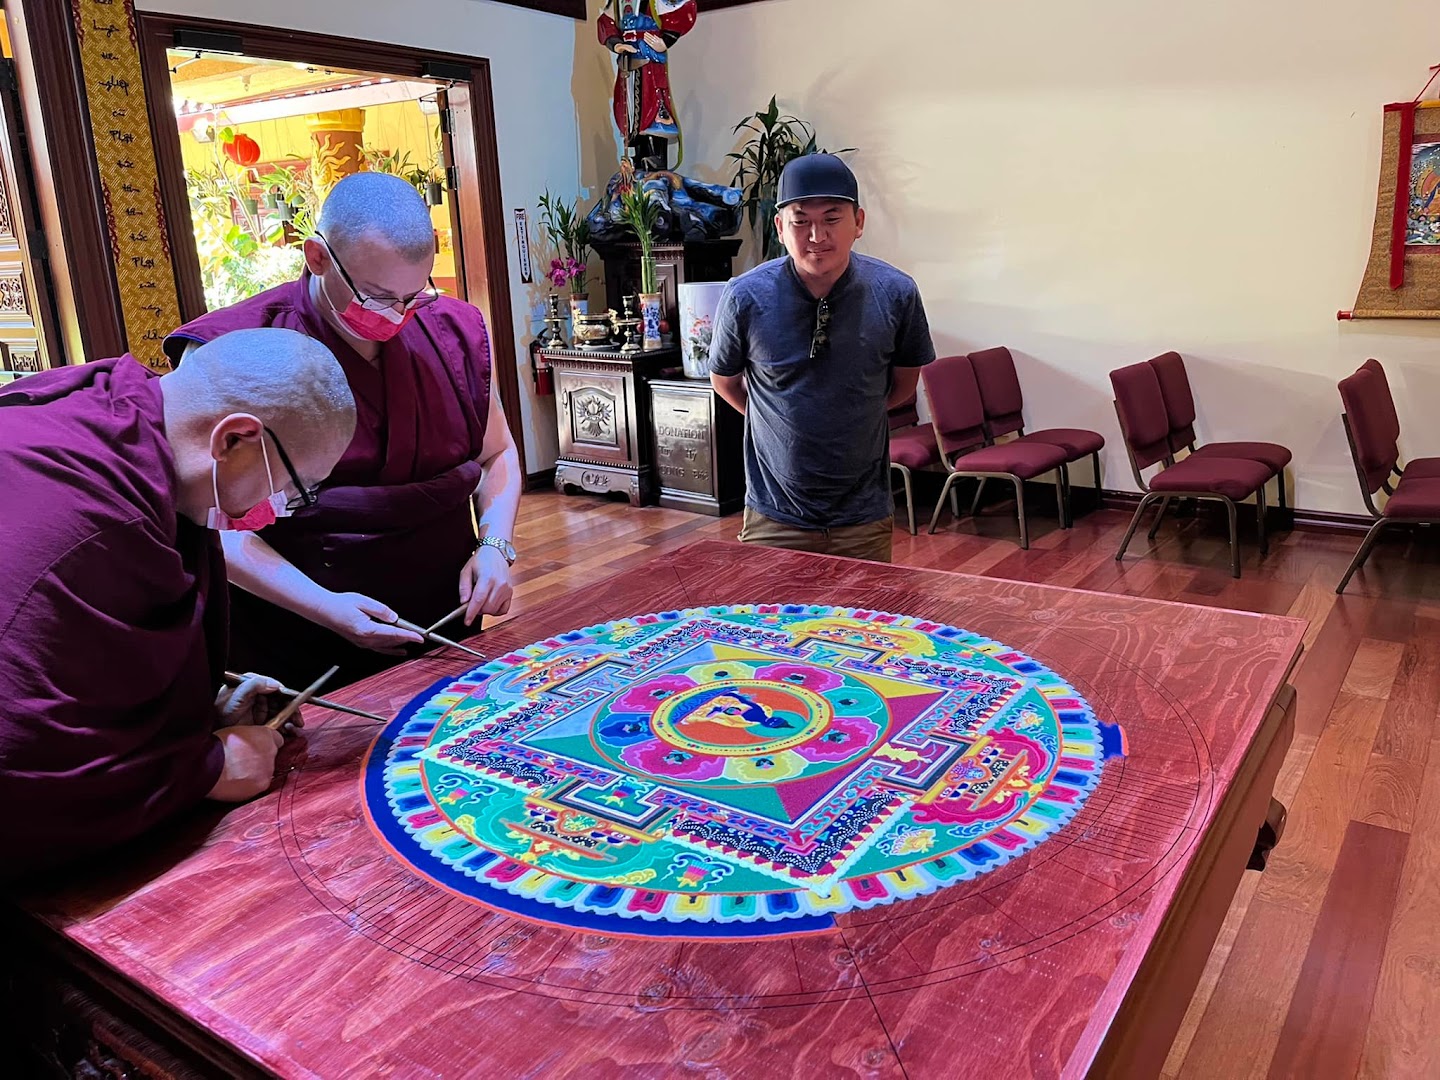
<point x="532" y="57"/>
<point x="1094" y="183"/>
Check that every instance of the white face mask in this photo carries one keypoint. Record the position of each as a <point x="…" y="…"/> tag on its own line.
<point x="266" y="512"/>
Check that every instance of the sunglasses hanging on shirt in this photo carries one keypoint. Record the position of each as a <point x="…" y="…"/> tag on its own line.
<point x="820" y="339"/>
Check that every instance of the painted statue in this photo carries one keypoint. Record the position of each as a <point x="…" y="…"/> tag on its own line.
<point x="689" y="209"/>
<point x="640" y="34"/>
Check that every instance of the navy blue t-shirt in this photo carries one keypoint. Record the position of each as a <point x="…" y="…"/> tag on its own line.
<point x="816" y="430"/>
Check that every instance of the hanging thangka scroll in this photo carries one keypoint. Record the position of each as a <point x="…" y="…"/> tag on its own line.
<point x="129" y="177"/>
<point x="1402" y="278"/>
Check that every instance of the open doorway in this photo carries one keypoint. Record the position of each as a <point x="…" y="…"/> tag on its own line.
<point x="263" y="141"/>
<point x="252" y="125"/>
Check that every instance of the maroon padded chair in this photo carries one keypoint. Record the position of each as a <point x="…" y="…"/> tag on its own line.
<point x="1372" y="427"/>
<point x="959" y="422"/>
<point x="1180" y="407"/>
<point x="1004" y="404"/>
<point x="1145" y="425"/>
<point x="912" y="446"/>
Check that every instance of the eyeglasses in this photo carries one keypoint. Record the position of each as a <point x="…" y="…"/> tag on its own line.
<point x="308" y="496"/>
<point x="820" y="339"/>
<point x="381" y="303"/>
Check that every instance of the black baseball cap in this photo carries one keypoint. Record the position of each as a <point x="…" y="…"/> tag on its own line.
<point x="816" y="176"/>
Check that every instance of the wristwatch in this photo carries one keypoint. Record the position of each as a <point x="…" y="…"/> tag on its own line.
<point x="506" y="549"/>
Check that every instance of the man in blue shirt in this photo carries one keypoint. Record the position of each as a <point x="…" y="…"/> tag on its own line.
<point x="814" y="349"/>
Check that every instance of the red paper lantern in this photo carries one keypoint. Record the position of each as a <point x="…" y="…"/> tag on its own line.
<point x="243" y="151"/>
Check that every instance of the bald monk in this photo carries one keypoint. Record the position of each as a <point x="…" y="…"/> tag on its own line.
<point x="392" y="532"/>
<point x="113" y="596"/>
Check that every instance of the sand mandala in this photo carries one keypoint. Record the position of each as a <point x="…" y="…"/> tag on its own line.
<point x="730" y="772"/>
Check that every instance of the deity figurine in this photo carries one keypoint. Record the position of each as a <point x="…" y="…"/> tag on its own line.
<point x="640" y="34"/>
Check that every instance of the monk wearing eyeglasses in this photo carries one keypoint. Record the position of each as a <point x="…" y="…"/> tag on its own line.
<point x="391" y="533"/>
<point x="114" y="716"/>
<point x="814" y="348"/>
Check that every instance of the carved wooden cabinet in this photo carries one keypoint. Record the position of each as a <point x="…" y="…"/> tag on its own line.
<point x="602" y="405"/>
<point x="698" y="445"/>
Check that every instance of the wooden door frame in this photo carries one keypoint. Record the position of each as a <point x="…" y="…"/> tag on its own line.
<point x="25" y="222"/>
<point x="487" y="278"/>
<point x="67" y="179"/>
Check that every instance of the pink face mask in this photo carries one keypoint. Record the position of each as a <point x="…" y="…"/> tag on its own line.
<point x="374" y="325"/>
<point x="266" y="512"/>
<point x="379" y="323"/>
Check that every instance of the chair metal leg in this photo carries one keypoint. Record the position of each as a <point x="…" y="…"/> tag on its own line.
<point x="1234" y="538"/>
<point x="955" y="502"/>
<point x="909" y="494"/>
<point x="1150" y="496"/>
<point x="975" y="502"/>
<point x="1261" y="513"/>
<point x="948" y="489"/>
<point x="1020" y="513"/>
<point x="1062" y="495"/>
<point x="1281" y="480"/>
<point x="1362" y="554"/>
<point x="1095" y="457"/>
<point x="1159" y="517"/>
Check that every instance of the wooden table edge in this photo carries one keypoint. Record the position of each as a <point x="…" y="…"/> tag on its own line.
<point x="1136" y="1040"/>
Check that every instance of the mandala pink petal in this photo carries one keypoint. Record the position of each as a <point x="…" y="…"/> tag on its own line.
<point x="845" y="737"/>
<point x="811" y="678"/>
<point x="646" y="697"/>
<point x="657" y="758"/>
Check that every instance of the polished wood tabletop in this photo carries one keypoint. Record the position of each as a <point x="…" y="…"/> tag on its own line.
<point x="283" y="937"/>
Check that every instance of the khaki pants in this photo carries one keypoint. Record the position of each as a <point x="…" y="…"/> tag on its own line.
<point x="870" y="541"/>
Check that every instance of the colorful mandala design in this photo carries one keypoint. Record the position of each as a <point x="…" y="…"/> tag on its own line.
<point x="733" y="771"/>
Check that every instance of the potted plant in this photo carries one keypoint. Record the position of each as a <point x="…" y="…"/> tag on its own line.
<point x="641" y="212"/>
<point x="569" y="234"/>
<point x="774" y="142"/>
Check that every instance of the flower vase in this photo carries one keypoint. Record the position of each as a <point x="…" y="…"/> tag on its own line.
<point x="698" y="303"/>
<point x="579" y="304"/>
<point x="650" y="321"/>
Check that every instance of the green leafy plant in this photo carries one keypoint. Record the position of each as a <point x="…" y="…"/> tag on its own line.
<point x="397" y="164"/>
<point x="774" y="141"/>
<point x="295" y="189"/>
<point x="641" y="211"/>
<point x="238" y="258"/>
<point x="569" y="234"/>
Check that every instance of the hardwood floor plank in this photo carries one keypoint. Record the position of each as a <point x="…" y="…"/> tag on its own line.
<point x="1299" y="869"/>
<point x="1389" y="792"/>
<point x="1324" y="1032"/>
<point x="1242" y="1024"/>
<point x="1414" y="704"/>
<point x="1402" y="1039"/>
<point x="1372" y="672"/>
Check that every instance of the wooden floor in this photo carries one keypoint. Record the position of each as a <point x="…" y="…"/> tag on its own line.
<point x="1329" y="963"/>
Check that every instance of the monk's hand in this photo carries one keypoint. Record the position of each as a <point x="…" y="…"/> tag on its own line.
<point x="249" y="762"/>
<point x="656" y="42"/>
<point x="254" y="701"/>
<point x="366" y="623"/>
<point x="485" y="585"/>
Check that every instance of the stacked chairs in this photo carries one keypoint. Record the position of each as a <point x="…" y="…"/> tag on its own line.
<point x="912" y="446"/>
<point x="1372" y="427"/>
<point x="1004" y="405"/>
<point x="1157" y="419"/>
<point x="967" y="451"/>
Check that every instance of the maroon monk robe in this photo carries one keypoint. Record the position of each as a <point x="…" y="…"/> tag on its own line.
<point x="112" y="619"/>
<point x="393" y="521"/>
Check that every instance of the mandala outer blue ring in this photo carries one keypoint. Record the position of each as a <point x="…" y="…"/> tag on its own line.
<point x="404" y="804"/>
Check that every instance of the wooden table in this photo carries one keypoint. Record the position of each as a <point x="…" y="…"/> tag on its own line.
<point x="264" y="940"/>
